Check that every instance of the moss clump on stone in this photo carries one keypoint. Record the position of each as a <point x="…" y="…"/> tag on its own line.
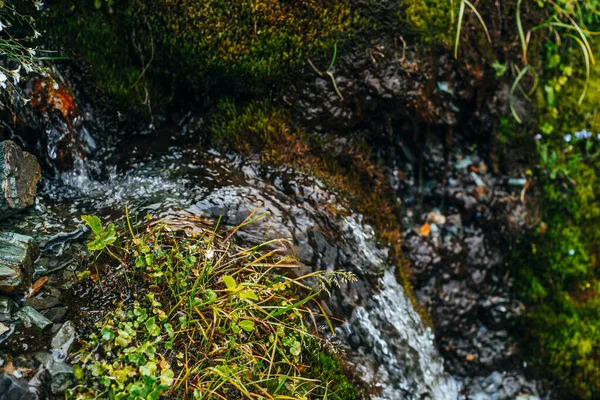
<point x="145" y="51"/>
<point x="432" y="20"/>
<point x="261" y="39"/>
<point x="95" y="41"/>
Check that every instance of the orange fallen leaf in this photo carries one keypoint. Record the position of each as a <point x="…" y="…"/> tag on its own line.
<point x="470" y="357"/>
<point x="37" y="286"/>
<point x="479" y="192"/>
<point x="425" y="229"/>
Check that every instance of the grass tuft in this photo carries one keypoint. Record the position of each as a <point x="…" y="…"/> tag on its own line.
<point x="213" y="320"/>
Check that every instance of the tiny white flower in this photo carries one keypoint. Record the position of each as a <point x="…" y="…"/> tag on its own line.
<point x="2" y="80"/>
<point x="210" y="254"/>
<point x="36" y="34"/>
<point x="31" y="52"/>
<point x="16" y="75"/>
<point x="2" y="26"/>
<point x="28" y="68"/>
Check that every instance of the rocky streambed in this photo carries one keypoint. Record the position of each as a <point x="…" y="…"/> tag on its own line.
<point x="453" y="237"/>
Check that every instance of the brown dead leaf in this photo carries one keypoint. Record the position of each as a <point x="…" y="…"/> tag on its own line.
<point x="37" y="286"/>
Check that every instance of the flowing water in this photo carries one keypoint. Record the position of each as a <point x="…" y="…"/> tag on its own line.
<point x="384" y="340"/>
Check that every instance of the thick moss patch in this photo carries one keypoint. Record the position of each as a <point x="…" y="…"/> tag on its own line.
<point x="557" y="263"/>
<point x="145" y="53"/>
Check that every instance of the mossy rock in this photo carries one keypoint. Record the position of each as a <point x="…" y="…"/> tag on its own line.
<point x="433" y="21"/>
<point x="145" y="52"/>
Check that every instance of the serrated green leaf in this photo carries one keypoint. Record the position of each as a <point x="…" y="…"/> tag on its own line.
<point x="96" y="244"/>
<point x="93" y="222"/>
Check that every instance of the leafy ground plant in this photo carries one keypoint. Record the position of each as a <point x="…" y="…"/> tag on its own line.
<point x="212" y="319"/>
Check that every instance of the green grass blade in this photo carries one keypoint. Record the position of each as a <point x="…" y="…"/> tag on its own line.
<point x="586" y="57"/>
<point x="472" y="7"/>
<point x="512" y="92"/>
<point x="521" y="33"/>
<point x="461" y="14"/>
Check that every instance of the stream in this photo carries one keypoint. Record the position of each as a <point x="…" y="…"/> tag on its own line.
<point x="460" y="265"/>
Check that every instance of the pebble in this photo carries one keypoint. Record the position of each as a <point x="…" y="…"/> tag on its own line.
<point x="436" y="218"/>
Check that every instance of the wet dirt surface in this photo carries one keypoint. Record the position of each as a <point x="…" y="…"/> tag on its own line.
<point x="458" y="239"/>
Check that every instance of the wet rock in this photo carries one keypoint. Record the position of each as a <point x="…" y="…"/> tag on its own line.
<point x="42" y="302"/>
<point x="64" y="338"/>
<point x="20" y="175"/>
<point x="17" y="254"/>
<point x="59" y="372"/>
<point x="12" y="388"/>
<point x="7" y="307"/>
<point x="32" y="318"/>
<point x="56" y="314"/>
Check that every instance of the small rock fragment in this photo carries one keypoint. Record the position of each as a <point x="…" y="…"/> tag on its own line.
<point x="20" y="174"/>
<point x="7" y="307"/>
<point x="12" y="388"/>
<point x="436" y="218"/>
<point x="60" y="373"/>
<point x="31" y="317"/>
<point x="64" y="338"/>
<point x="56" y="314"/>
<point x="3" y="329"/>
<point x="17" y="254"/>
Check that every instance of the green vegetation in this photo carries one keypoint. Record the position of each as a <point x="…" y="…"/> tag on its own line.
<point x="138" y="51"/>
<point x="17" y="53"/>
<point x="212" y="319"/>
<point x="432" y="20"/>
<point x="557" y="263"/>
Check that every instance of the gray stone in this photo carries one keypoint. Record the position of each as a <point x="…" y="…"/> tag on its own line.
<point x="17" y="254"/>
<point x="31" y="317"/>
<point x="12" y="388"/>
<point x="20" y="173"/>
<point x="60" y="373"/>
<point x="56" y="314"/>
<point x="7" y="307"/>
<point x="6" y="330"/>
<point x="64" y="338"/>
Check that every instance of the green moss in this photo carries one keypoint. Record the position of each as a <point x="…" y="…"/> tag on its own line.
<point x="93" y="39"/>
<point x="557" y="265"/>
<point x="328" y="368"/>
<point x="244" y="38"/>
<point x="432" y="20"/>
<point x="139" y="51"/>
